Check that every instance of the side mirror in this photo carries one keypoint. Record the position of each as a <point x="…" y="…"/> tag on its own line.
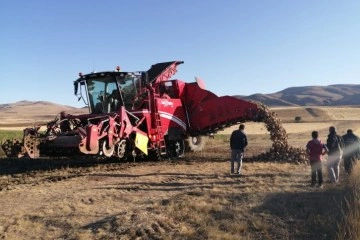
<point x="76" y="86"/>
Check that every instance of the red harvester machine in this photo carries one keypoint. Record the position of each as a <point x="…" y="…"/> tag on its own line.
<point x="138" y="114"/>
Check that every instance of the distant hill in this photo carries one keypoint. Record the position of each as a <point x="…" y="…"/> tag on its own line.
<point x="36" y="108"/>
<point x="25" y="112"/>
<point x="332" y="95"/>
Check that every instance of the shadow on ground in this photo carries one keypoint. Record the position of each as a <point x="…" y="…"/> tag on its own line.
<point x="307" y="215"/>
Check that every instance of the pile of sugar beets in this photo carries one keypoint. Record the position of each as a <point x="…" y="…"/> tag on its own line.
<point x="280" y="151"/>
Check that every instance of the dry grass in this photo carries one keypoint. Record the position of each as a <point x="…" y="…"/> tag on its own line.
<point x="349" y="228"/>
<point x="318" y="114"/>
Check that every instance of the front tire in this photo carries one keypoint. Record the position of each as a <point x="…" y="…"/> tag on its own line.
<point x="108" y="152"/>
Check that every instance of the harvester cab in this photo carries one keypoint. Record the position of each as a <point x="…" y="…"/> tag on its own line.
<point x="106" y="92"/>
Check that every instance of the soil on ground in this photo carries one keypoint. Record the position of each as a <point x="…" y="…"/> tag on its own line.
<point x="144" y="200"/>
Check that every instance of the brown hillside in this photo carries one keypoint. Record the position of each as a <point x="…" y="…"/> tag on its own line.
<point x="26" y="112"/>
<point x="333" y="95"/>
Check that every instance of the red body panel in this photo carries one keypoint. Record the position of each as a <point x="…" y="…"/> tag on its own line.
<point x="171" y="113"/>
<point x="92" y="137"/>
<point x="220" y="110"/>
<point x="206" y="111"/>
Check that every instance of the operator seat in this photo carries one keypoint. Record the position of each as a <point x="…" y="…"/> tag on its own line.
<point x="114" y="100"/>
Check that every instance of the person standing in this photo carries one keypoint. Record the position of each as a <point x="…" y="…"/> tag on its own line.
<point x="335" y="144"/>
<point x="316" y="149"/>
<point x="238" y="143"/>
<point x="351" y="151"/>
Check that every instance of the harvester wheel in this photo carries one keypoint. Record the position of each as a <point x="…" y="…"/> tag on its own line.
<point x="179" y="148"/>
<point x="154" y="155"/>
<point x="10" y="147"/>
<point x="121" y="149"/>
<point x="196" y="143"/>
<point x="108" y="152"/>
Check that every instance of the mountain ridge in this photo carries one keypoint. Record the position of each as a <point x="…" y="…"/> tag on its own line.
<point x="331" y="95"/>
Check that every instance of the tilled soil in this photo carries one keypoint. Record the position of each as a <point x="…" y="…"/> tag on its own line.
<point x="151" y="200"/>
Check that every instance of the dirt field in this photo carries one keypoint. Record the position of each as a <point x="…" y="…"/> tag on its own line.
<point x="182" y="200"/>
<point x="191" y="198"/>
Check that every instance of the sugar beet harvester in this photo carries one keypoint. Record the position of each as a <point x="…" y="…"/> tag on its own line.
<point x="138" y="114"/>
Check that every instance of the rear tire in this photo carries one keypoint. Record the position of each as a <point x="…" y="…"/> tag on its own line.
<point x="179" y="148"/>
<point x="196" y="143"/>
<point x="175" y="148"/>
<point x="154" y="155"/>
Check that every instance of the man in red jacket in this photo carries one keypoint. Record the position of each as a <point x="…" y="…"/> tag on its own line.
<point x="315" y="148"/>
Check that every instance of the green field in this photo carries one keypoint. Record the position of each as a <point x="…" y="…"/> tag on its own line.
<point x="8" y="134"/>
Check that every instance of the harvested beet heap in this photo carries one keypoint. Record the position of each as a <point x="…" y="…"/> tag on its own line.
<point x="280" y="150"/>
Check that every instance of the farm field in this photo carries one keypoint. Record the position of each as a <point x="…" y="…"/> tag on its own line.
<point x="190" y="198"/>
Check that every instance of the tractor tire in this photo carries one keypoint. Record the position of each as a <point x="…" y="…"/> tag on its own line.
<point x="108" y="152"/>
<point x="175" y="148"/>
<point x="196" y="143"/>
<point x="154" y="155"/>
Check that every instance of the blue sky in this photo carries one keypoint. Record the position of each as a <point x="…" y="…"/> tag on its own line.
<point x="237" y="47"/>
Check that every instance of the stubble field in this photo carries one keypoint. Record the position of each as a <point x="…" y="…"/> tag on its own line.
<point x="190" y="198"/>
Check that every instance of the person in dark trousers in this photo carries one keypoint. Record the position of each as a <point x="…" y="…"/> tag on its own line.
<point x="335" y="144"/>
<point x="351" y="151"/>
<point x="238" y="143"/>
<point x="316" y="149"/>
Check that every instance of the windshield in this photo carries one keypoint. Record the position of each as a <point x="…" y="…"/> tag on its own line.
<point x="101" y="92"/>
<point x="107" y="94"/>
<point x="128" y="88"/>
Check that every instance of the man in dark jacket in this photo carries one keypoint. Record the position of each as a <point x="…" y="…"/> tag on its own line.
<point x="238" y="143"/>
<point x="335" y="144"/>
<point x="351" y="151"/>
